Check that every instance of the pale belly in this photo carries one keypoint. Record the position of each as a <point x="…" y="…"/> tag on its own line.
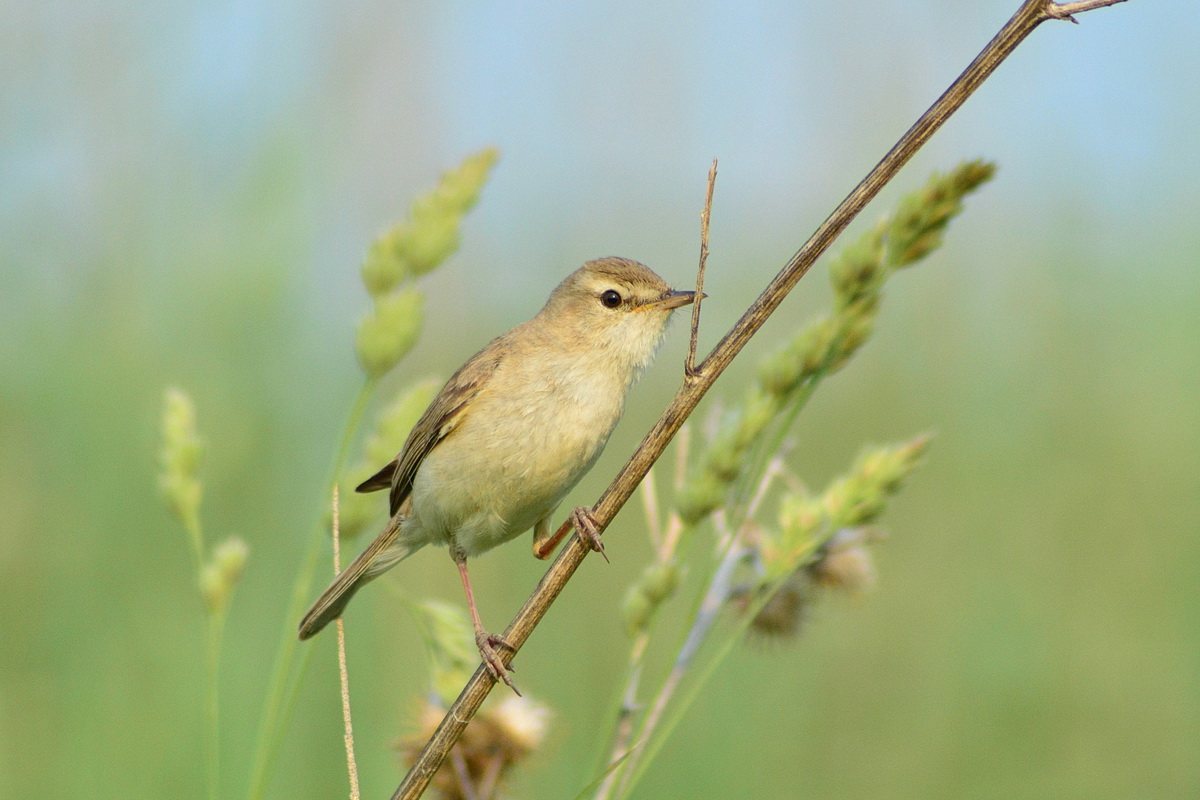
<point x="510" y="464"/>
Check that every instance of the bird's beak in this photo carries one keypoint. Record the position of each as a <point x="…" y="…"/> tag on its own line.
<point x="671" y="300"/>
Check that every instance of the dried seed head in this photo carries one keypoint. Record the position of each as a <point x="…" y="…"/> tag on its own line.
<point x="851" y="570"/>
<point x="845" y="562"/>
<point x="523" y="723"/>
<point x="496" y="741"/>
<point x="784" y="613"/>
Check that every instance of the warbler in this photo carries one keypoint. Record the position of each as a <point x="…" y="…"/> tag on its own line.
<point x="513" y="430"/>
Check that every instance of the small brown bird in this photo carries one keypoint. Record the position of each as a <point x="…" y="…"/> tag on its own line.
<point x="513" y="431"/>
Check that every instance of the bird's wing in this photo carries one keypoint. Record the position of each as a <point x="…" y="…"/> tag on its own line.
<point x="444" y="415"/>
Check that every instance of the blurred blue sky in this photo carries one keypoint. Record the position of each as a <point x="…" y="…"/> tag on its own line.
<point x="131" y="130"/>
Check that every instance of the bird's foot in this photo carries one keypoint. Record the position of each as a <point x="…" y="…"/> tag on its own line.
<point x="589" y="531"/>
<point x="488" y="644"/>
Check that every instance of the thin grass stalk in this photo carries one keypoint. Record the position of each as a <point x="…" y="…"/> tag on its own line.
<point x="649" y="748"/>
<point x="343" y="674"/>
<point x="216" y="630"/>
<point x="280" y="703"/>
<point x="730" y="552"/>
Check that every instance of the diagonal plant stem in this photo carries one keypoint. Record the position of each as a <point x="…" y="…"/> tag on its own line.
<point x="1031" y="14"/>
<point x="710" y="608"/>
<point x="665" y="541"/>
<point x="731" y="551"/>
<point x="649" y="746"/>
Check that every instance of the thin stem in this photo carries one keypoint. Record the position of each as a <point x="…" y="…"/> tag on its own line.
<point x="670" y="538"/>
<point x="682" y="451"/>
<point x="1031" y="14"/>
<point x="351" y="763"/>
<point x="665" y="544"/>
<point x="622" y="728"/>
<point x="650" y="507"/>
<point x="491" y="778"/>
<point x="464" y="778"/>
<point x="710" y="608"/>
<point x="648" y="748"/>
<point x="276" y="712"/>
<point x="775" y="468"/>
<point x="214" y="624"/>
<point x="195" y="536"/>
<point x="770" y="444"/>
<point x="216" y="628"/>
<point x="689" y="366"/>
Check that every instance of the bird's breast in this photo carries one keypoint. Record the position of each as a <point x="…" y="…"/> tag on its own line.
<point x="524" y="443"/>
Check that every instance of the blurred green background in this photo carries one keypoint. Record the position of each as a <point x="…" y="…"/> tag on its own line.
<point x="186" y="191"/>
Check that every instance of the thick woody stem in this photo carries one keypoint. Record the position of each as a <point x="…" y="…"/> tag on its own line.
<point x="696" y="383"/>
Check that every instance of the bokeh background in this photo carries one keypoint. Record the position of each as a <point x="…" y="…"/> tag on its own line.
<point x="187" y="189"/>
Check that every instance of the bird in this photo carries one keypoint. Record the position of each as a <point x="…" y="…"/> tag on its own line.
<point x="512" y="431"/>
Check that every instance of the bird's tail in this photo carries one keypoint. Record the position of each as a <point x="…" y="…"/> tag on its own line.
<point x="385" y="552"/>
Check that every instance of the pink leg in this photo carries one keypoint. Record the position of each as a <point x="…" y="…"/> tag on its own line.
<point x="486" y="642"/>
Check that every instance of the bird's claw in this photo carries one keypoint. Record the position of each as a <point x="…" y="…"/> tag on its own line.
<point x="588" y="530"/>
<point x="488" y="644"/>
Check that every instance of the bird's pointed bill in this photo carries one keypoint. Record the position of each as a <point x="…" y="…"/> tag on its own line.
<point x="674" y="298"/>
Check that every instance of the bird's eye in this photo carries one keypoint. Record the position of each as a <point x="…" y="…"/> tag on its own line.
<point x="610" y="298"/>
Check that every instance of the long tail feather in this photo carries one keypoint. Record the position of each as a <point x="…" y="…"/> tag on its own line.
<point x="381" y="555"/>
